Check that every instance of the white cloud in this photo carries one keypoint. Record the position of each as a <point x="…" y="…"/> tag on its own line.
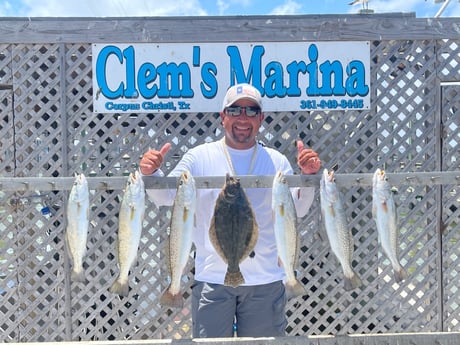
<point x="289" y="7"/>
<point x="222" y="7"/>
<point x="110" y="8"/>
<point x="233" y="6"/>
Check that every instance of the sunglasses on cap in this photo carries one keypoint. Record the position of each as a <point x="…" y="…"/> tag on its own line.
<point x="237" y="111"/>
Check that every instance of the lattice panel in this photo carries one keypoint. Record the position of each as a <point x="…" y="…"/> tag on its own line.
<point x="10" y="298"/>
<point x="56" y="134"/>
<point x="451" y="126"/>
<point x="6" y="133"/>
<point x="78" y="74"/>
<point x="33" y="283"/>
<point x="6" y="75"/>
<point x="405" y="104"/>
<point x="37" y="107"/>
<point x="6" y="113"/>
<point x="449" y="60"/>
<point x="451" y="202"/>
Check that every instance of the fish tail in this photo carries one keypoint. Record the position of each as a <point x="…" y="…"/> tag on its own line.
<point x="170" y="300"/>
<point x="400" y="274"/>
<point x="352" y="282"/>
<point x="120" y="288"/>
<point x="78" y="275"/>
<point x="233" y="279"/>
<point x="294" y="289"/>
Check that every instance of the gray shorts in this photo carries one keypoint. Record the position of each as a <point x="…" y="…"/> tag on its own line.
<point x="255" y="311"/>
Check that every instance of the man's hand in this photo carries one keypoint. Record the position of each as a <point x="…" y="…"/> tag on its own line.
<point x="151" y="160"/>
<point x="307" y="159"/>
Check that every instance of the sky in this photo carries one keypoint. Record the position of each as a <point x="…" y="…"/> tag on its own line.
<point x="134" y="8"/>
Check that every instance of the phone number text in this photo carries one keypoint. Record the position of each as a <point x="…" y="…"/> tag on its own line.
<point x="332" y="104"/>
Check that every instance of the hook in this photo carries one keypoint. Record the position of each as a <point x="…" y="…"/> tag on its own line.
<point x="105" y="185"/>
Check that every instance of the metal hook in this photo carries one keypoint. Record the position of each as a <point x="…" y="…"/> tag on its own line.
<point x="53" y="185"/>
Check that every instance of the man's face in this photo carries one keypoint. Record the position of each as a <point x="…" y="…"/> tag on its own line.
<point x="241" y="131"/>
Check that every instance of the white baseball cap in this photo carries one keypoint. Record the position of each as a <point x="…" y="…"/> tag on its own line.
<point x="242" y="91"/>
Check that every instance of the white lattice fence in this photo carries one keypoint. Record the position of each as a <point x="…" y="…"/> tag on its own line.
<point x="56" y="134"/>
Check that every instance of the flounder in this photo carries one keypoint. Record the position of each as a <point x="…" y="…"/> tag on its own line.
<point x="233" y="231"/>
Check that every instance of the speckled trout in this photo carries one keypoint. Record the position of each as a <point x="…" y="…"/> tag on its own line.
<point x="180" y="237"/>
<point x="130" y="218"/>
<point x="338" y="233"/>
<point x="384" y="214"/>
<point x="286" y="235"/>
<point x="77" y="225"/>
<point x="233" y="231"/>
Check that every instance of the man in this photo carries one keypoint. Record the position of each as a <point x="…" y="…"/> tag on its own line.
<point x="257" y="305"/>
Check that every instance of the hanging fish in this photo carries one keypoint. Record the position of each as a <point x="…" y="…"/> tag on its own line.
<point x="180" y="237"/>
<point x="338" y="233"/>
<point x="384" y="214"/>
<point x="233" y="231"/>
<point x="77" y="225"/>
<point x="130" y="220"/>
<point x="287" y="238"/>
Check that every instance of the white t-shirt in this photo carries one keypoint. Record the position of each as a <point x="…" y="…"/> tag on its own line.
<point x="209" y="159"/>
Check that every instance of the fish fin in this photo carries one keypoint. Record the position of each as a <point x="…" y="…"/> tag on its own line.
<point x="168" y="253"/>
<point x="119" y="288"/>
<point x="185" y="214"/>
<point x="400" y="275"/>
<point x="295" y="289"/>
<point x="255" y="234"/>
<point x="322" y="232"/>
<point x="233" y="279"/>
<point x="170" y="300"/>
<point x="280" y="263"/>
<point x="353" y="282"/>
<point x="215" y="243"/>
<point x="385" y="206"/>
<point x="78" y="276"/>
<point x="331" y="210"/>
<point x="252" y="242"/>
<point x="67" y="244"/>
<point x="132" y="213"/>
